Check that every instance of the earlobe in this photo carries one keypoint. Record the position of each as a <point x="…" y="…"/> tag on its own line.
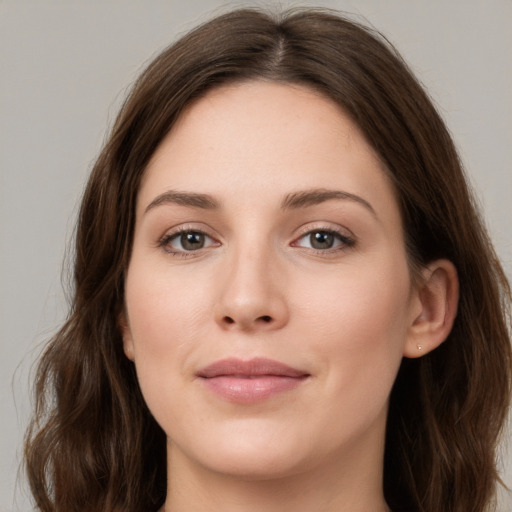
<point x="126" y="335"/>
<point x="438" y="295"/>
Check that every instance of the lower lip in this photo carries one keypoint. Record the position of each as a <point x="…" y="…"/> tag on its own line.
<point x="250" y="390"/>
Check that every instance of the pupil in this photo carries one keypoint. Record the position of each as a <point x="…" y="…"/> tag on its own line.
<point x="192" y="241"/>
<point x="322" y="240"/>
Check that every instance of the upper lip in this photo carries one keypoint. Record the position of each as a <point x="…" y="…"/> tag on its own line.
<point x="252" y="368"/>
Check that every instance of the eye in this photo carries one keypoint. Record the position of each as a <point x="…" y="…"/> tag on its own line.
<point x="186" y="241"/>
<point x="323" y="240"/>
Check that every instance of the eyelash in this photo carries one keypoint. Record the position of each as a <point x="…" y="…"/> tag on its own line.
<point x="166" y="240"/>
<point x="344" y="241"/>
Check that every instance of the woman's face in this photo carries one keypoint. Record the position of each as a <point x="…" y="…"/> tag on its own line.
<point x="268" y="295"/>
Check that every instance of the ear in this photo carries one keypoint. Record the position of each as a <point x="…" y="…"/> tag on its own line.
<point x="126" y="334"/>
<point x="438" y="296"/>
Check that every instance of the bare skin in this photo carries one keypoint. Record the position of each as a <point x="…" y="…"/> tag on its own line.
<point x="267" y="227"/>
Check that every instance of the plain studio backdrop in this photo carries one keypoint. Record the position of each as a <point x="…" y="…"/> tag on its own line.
<point x="64" y="69"/>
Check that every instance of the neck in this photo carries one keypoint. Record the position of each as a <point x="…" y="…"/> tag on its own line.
<point x="336" y="486"/>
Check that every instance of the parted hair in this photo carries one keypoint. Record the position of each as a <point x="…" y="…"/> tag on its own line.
<point x="93" y="446"/>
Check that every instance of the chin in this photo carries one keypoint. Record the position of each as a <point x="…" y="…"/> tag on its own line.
<point x="255" y="467"/>
<point x="248" y="457"/>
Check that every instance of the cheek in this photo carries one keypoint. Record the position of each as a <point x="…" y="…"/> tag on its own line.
<point x="162" y="309"/>
<point x="359" y="325"/>
<point x="164" y="315"/>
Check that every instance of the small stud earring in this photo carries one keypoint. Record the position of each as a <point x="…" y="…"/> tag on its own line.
<point x="419" y="347"/>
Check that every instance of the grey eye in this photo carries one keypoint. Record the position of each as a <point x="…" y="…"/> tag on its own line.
<point x="321" y="240"/>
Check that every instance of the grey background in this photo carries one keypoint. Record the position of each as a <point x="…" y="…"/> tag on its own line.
<point x="64" y="68"/>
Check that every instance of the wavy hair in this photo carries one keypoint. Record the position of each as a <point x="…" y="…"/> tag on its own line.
<point x="93" y="445"/>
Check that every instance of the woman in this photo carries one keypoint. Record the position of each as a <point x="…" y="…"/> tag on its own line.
<point x="285" y="299"/>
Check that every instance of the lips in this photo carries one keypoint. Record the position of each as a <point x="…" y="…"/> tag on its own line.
<point x="250" y="381"/>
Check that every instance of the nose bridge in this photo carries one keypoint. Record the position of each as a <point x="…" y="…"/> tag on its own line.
<point x="252" y="294"/>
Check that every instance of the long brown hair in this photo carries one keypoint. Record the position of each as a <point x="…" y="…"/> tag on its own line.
<point x="94" y="446"/>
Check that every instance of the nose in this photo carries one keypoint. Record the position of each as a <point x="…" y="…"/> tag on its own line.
<point x="252" y="295"/>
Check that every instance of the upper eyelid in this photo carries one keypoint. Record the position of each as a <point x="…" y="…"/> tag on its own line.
<point x="346" y="239"/>
<point x="168" y="237"/>
<point x="300" y="232"/>
<point x="324" y="226"/>
<point x="187" y="227"/>
<point x="172" y="233"/>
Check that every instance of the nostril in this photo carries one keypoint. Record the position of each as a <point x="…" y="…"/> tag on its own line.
<point x="228" y="320"/>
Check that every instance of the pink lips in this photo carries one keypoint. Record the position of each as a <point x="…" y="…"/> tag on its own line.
<point x="250" y="381"/>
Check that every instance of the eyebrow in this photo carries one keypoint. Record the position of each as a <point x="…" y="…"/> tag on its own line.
<point x="312" y="197"/>
<point x="294" y="200"/>
<point x="191" y="199"/>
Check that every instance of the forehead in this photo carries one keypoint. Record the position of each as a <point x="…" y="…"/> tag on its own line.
<point x="260" y="138"/>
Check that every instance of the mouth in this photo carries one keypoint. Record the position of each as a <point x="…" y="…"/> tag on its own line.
<point x="250" y="381"/>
